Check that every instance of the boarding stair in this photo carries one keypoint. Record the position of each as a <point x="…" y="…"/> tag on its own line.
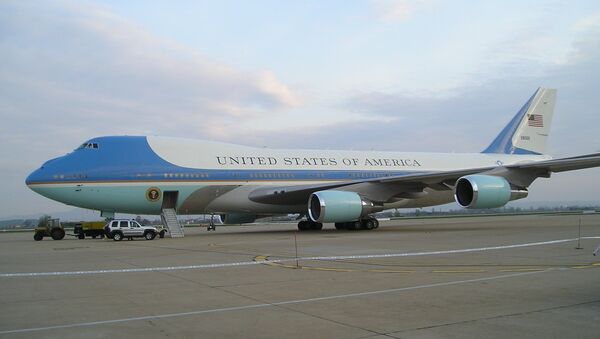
<point x="169" y="219"/>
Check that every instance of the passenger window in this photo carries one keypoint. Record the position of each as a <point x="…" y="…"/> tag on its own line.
<point x="123" y="224"/>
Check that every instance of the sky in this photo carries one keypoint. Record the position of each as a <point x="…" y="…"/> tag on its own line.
<point x="421" y="75"/>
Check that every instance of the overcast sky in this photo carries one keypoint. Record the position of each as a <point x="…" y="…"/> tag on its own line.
<point x="389" y="75"/>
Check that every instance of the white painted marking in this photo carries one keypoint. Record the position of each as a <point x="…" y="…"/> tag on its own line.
<point x="281" y="303"/>
<point x="249" y="263"/>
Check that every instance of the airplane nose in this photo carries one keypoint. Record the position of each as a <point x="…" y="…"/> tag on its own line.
<point x="35" y="176"/>
<point x="42" y="174"/>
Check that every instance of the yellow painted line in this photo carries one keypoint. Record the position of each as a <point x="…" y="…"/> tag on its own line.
<point x="579" y="267"/>
<point x="389" y="271"/>
<point x="327" y="269"/>
<point x="260" y="257"/>
<point x="523" y="270"/>
<point x="596" y="264"/>
<point x="459" y="271"/>
<point x="287" y="266"/>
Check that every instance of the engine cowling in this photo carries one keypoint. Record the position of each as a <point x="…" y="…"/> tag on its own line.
<point x="485" y="191"/>
<point x="237" y="218"/>
<point x="338" y="206"/>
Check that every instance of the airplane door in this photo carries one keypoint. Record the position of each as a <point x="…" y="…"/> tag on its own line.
<point x="170" y="199"/>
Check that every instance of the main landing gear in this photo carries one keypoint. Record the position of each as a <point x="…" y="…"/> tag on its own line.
<point x="309" y="225"/>
<point x="364" y="224"/>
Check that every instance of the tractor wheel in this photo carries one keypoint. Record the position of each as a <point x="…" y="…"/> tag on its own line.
<point x="37" y="236"/>
<point x="57" y="234"/>
<point x="81" y="235"/>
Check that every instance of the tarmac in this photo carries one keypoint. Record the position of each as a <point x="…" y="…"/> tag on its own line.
<point x="494" y="277"/>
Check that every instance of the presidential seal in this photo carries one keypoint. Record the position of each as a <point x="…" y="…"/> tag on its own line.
<point x="153" y="194"/>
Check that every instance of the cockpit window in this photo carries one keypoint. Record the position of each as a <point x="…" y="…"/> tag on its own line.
<point x="91" y="145"/>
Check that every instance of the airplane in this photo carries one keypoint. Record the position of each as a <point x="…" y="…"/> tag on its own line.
<point x="156" y="175"/>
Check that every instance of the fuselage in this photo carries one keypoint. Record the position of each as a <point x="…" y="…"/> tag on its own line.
<point x="130" y="174"/>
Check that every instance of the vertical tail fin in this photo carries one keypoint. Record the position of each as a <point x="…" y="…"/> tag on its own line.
<point x="527" y="132"/>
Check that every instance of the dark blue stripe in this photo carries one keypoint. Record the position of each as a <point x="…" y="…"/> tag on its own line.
<point x="503" y="142"/>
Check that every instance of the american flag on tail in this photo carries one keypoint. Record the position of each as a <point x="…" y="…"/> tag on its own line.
<point x="535" y="120"/>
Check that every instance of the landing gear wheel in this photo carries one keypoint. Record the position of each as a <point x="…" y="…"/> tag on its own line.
<point x="353" y="225"/>
<point x="340" y="225"/>
<point x="303" y="225"/>
<point x="368" y="224"/>
<point x="57" y="234"/>
<point x="316" y="226"/>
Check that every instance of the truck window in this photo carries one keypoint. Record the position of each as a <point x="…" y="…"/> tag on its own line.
<point x="123" y="224"/>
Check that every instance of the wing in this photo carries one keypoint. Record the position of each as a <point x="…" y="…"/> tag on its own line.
<point x="412" y="186"/>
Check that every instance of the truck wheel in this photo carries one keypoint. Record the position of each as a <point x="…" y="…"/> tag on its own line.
<point x="81" y="236"/>
<point x="93" y="236"/>
<point x="117" y="236"/>
<point x="161" y="234"/>
<point x="149" y="235"/>
<point x="57" y="234"/>
<point x="37" y="236"/>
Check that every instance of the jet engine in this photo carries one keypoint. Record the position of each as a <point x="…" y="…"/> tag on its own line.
<point x="338" y="206"/>
<point x="485" y="191"/>
<point x="237" y="218"/>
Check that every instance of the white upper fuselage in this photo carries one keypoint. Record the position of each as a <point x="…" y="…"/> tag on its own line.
<point x="222" y="156"/>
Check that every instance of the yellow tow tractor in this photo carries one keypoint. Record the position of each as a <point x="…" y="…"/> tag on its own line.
<point x="48" y="227"/>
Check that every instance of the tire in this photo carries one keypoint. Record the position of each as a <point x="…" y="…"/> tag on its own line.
<point x="316" y="226"/>
<point x="57" y="234"/>
<point x="81" y="235"/>
<point x="354" y="225"/>
<point x="340" y="225"/>
<point x="149" y="235"/>
<point x="376" y="223"/>
<point x="38" y="236"/>
<point x="161" y="234"/>
<point x="368" y="224"/>
<point x="303" y="225"/>
<point x="117" y="236"/>
<point x="94" y="236"/>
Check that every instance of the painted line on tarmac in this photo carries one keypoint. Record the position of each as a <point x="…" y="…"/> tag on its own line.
<point x="250" y="263"/>
<point x="265" y="305"/>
